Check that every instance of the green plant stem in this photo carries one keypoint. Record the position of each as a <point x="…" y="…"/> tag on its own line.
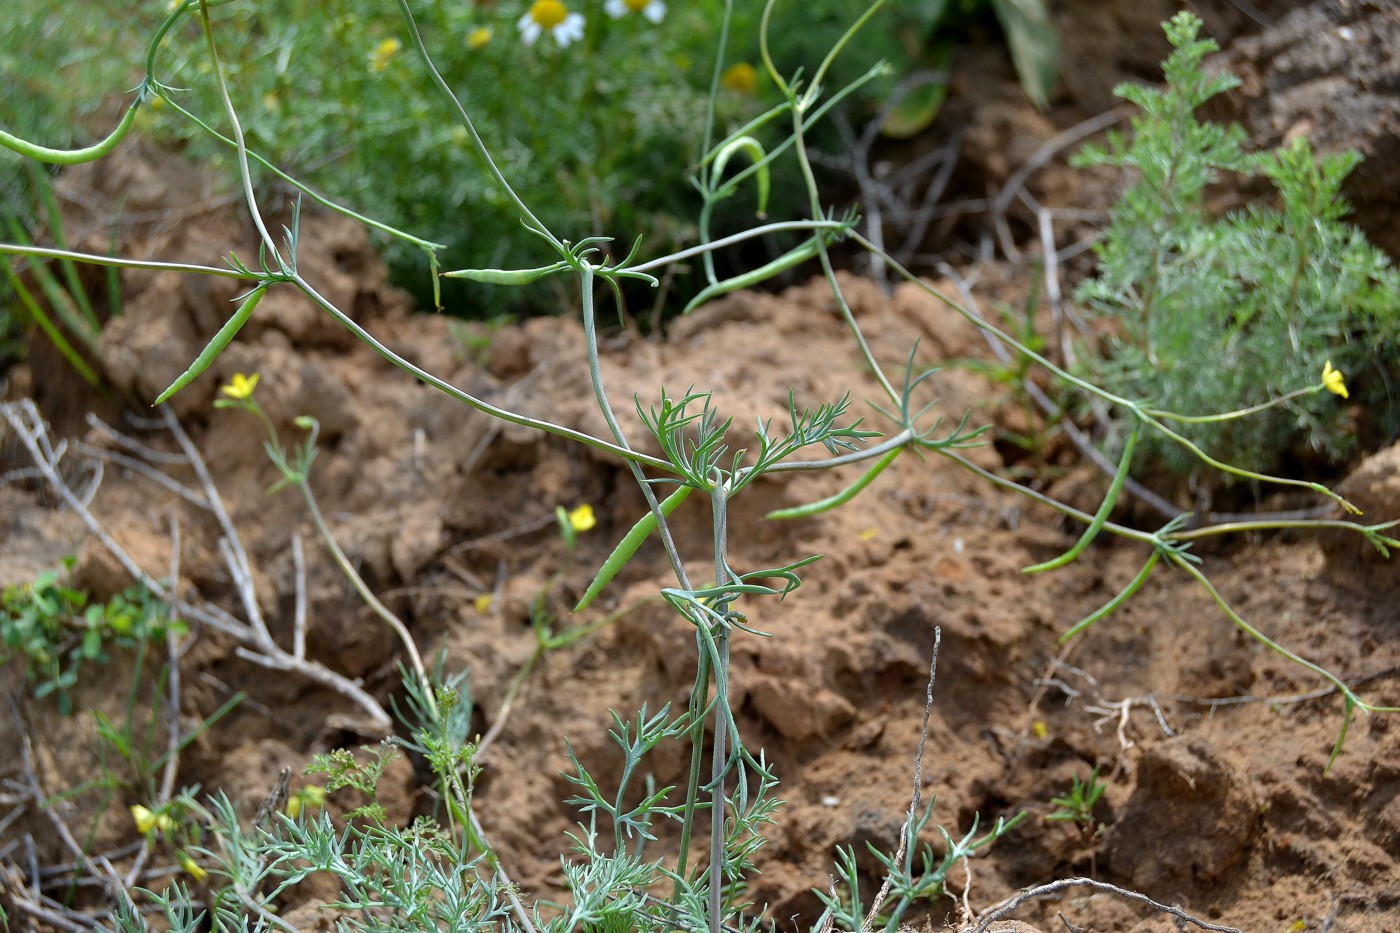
<point x="631" y="456"/>
<point x="699" y="702"/>
<point x="525" y="213"/>
<point x="830" y="273"/>
<point x="244" y="172"/>
<point x="1095" y="390"/>
<point x="1350" y="700"/>
<point x="894" y="442"/>
<point x="1231" y="415"/>
<point x="427" y="246"/>
<point x="814" y="198"/>
<point x="721" y="47"/>
<point x="842" y="497"/>
<point x="1105" y="507"/>
<point x="595" y="375"/>
<point x="48" y="252"/>
<point x="719" y="507"/>
<point x="1246" y="527"/>
<point x="39" y="181"/>
<point x="1001" y="482"/>
<point x="1251" y="474"/>
<point x="753" y="232"/>
<point x="1239" y="621"/>
<point x="1118" y="600"/>
<point x="814" y="88"/>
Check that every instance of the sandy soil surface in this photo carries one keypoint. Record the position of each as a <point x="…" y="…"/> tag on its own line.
<point x="1214" y="749"/>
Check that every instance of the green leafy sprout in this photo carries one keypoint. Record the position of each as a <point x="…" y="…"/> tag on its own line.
<point x="57" y="630"/>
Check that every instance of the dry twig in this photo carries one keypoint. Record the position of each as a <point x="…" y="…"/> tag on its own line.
<point x="255" y="642"/>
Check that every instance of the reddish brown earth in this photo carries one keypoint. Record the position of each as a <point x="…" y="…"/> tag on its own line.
<point x="1214" y="749"/>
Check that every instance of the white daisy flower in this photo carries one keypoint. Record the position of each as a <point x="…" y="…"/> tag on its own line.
<point x="654" y="10"/>
<point x="551" y="16"/>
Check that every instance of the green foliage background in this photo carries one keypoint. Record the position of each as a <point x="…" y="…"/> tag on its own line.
<point x="1212" y="313"/>
<point x="604" y="133"/>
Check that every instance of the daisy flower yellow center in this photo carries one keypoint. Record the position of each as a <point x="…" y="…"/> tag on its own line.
<point x="548" y="13"/>
<point x="479" y="37"/>
<point x="637" y="6"/>
<point x="740" y="78"/>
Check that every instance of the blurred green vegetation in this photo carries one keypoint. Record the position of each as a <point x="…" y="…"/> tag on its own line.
<point x="600" y="135"/>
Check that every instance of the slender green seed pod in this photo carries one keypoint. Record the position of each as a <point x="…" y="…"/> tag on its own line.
<point x="1105" y="508"/>
<point x="506" y="276"/>
<point x="754" y="149"/>
<point x="1112" y="605"/>
<point x="73" y="156"/>
<point x="842" y="497"/>
<point x="628" y="546"/>
<point x="784" y="262"/>
<point x="216" y="346"/>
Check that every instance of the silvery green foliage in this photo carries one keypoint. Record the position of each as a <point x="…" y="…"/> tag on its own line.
<point x="1218" y="313"/>
<point x="919" y="874"/>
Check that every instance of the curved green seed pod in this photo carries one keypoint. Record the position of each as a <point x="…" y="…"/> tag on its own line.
<point x="506" y="276"/>
<point x="1105" y="507"/>
<point x="1112" y="605"/>
<point x="216" y="346"/>
<point x="73" y="156"/>
<point x="628" y="546"/>
<point x="754" y="149"/>
<point x="784" y="262"/>
<point x="842" y="497"/>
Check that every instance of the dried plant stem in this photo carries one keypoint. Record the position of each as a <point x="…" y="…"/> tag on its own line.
<point x="366" y="594"/>
<point x="913" y="816"/>
<point x="1042" y="890"/>
<point x="255" y="642"/>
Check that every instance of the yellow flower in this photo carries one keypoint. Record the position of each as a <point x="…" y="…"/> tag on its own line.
<point x="145" y="819"/>
<point x="480" y="37"/>
<point x="483" y="603"/>
<point x="191" y="867"/>
<point x="384" y="53"/>
<point x="240" y="387"/>
<point x="581" y="518"/>
<point x="148" y="822"/>
<point x="1332" y="380"/>
<point x="310" y="795"/>
<point x="740" y="78"/>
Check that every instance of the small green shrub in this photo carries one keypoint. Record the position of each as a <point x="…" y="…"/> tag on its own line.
<point x="1210" y="314"/>
<point x="1077" y="807"/>
<point x="56" y="630"/>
